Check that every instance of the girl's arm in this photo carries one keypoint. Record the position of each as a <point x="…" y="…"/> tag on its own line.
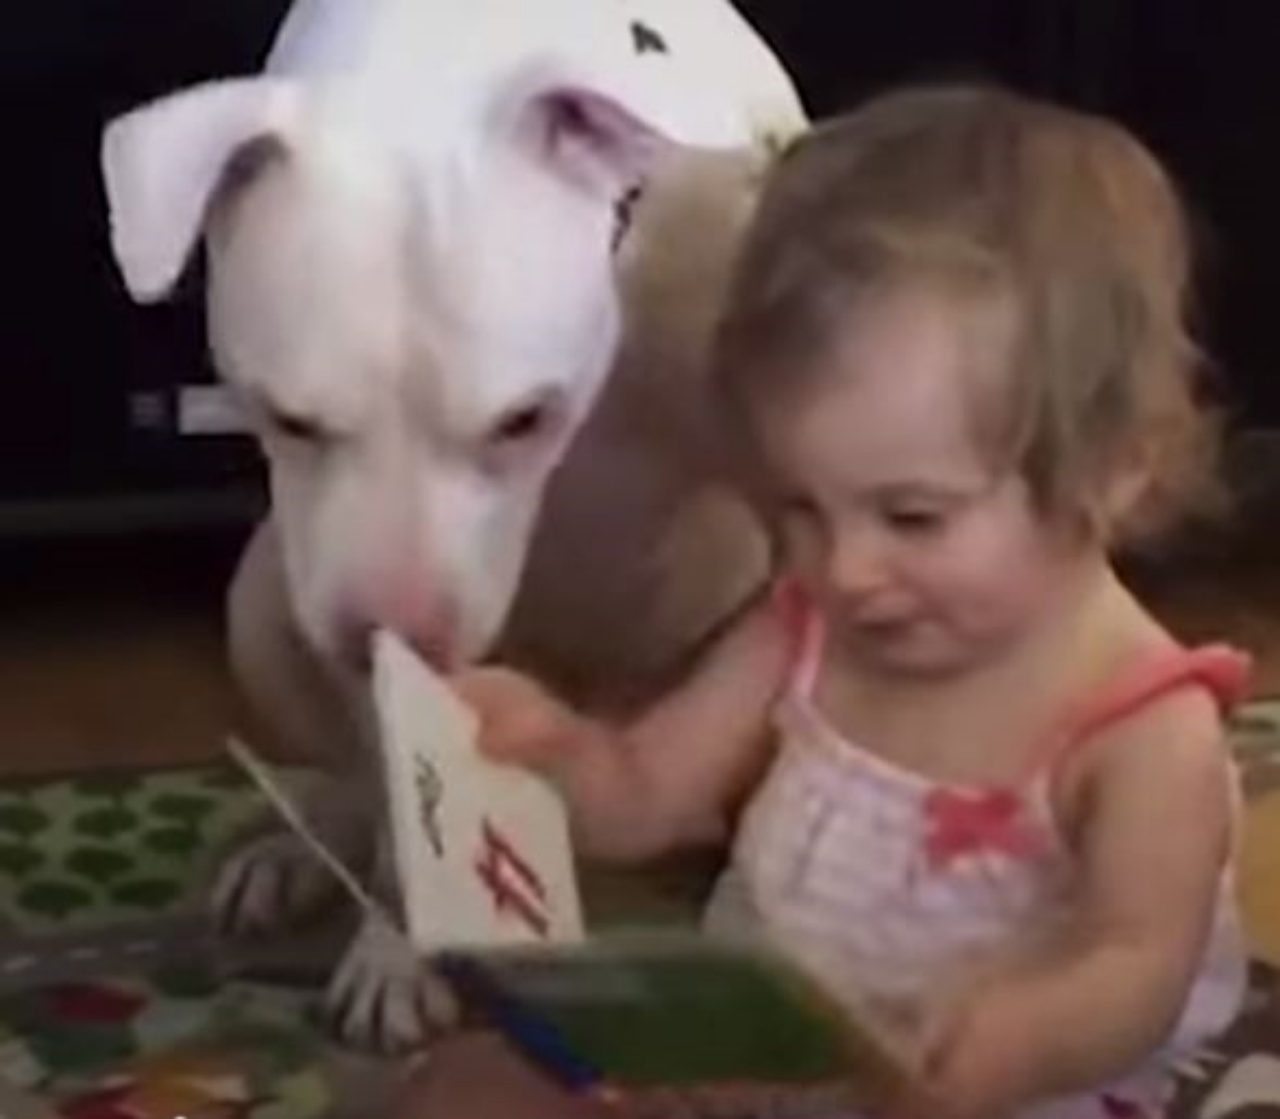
<point x="669" y="778"/>
<point x="1153" y="835"/>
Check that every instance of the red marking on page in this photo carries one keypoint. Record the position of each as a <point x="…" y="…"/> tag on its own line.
<point x="513" y="884"/>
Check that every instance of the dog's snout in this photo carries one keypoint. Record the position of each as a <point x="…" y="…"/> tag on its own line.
<point x="435" y="648"/>
<point x="352" y="644"/>
<point x="425" y="624"/>
<point x="438" y="649"/>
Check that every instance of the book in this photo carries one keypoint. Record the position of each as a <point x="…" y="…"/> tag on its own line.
<point x="490" y="895"/>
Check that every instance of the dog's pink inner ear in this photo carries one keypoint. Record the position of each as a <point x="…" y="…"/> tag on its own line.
<point x="246" y="163"/>
<point x="592" y="139"/>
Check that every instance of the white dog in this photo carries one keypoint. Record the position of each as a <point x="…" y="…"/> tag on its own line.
<point x="419" y="259"/>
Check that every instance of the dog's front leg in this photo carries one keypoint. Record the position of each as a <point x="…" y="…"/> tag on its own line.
<point x="383" y="996"/>
<point x="272" y="881"/>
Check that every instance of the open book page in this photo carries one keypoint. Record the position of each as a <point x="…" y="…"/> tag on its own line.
<point x="672" y="1009"/>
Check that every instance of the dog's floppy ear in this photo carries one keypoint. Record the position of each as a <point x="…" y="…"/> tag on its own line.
<point x="163" y="164"/>
<point x="604" y="127"/>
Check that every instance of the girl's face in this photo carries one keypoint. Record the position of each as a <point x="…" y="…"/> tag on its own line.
<point x="926" y="557"/>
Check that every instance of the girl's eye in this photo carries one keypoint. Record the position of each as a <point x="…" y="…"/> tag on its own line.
<point x="794" y="504"/>
<point x="796" y="508"/>
<point x="915" y="521"/>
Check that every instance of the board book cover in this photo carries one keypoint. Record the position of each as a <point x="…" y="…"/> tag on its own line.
<point x="489" y="893"/>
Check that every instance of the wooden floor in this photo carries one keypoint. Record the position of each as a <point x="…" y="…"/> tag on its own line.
<point x="111" y="652"/>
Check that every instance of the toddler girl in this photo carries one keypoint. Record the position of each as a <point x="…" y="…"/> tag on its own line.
<point x="968" y="779"/>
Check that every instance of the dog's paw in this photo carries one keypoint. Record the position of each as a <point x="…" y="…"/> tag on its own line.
<point x="272" y="882"/>
<point x="383" y="997"/>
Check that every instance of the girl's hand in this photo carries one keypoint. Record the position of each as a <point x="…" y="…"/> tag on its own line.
<point x="972" y="1069"/>
<point x="521" y="723"/>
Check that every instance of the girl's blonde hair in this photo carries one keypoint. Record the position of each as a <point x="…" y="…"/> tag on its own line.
<point x="979" y="190"/>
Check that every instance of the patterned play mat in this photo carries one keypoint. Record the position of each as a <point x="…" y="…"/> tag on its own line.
<point x="114" y="1003"/>
<point x="98" y="851"/>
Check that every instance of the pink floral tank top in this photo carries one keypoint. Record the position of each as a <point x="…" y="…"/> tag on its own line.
<point x="889" y="886"/>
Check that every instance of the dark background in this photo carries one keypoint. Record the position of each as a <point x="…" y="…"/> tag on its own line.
<point x="86" y="416"/>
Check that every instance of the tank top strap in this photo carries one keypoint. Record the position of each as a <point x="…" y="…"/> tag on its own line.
<point x="804" y="627"/>
<point x="1221" y="670"/>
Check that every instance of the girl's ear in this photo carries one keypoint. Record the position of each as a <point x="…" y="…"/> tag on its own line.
<point x="1126" y="487"/>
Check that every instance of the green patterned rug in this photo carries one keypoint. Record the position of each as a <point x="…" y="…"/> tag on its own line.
<point x="101" y="850"/>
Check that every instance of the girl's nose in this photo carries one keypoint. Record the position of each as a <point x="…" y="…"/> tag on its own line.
<point x="857" y="563"/>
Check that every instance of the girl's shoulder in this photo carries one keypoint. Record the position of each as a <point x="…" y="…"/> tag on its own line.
<point x="1156" y="679"/>
<point x="1160" y="718"/>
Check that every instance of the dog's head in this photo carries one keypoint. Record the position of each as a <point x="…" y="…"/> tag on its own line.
<point x="416" y="313"/>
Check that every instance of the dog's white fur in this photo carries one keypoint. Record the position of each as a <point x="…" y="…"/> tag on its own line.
<point x="412" y="287"/>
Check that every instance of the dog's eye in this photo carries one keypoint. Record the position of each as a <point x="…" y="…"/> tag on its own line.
<point x="299" y="428"/>
<point x="522" y="424"/>
<point x="526" y="422"/>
